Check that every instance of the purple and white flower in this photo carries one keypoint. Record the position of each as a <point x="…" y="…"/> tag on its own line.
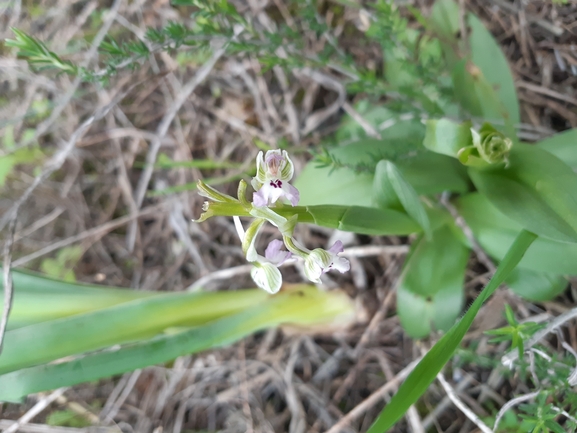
<point x="265" y="273"/>
<point x="271" y="183"/>
<point x="320" y="261"/>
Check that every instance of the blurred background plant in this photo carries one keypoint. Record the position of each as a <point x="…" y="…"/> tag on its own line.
<point x="413" y="117"/>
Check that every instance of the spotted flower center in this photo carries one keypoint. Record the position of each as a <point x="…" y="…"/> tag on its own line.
<point x="276" y="183"/>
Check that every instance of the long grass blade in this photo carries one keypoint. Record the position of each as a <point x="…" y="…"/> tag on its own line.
<point x="426" y="371"/>
<point x="303" y="305"/>
<point x="129" y="321"/>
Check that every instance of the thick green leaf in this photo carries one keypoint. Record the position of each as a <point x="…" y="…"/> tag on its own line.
<point x="375" y="115"/>
<point x="563" y="146"/>
<point x="536" y="286"/>
<point x="495" y="232"/>
<point x="351" y="184"/>
<point x="431" y="173"/>
<point x="428" y="368"/>
<point x="482" y="79"/>
<point x="318" y="186"/>
<point x="38" y="298"/>
<point x="428" y="173"/>
<point x="390" y="190"/>
<point x="486" y="53"/>
<point x="302" y="305"/>
<point x="476" y="94"/>
<point x="363" y="220"/>
<point x="447" y="137"/>
<point x="129" y="321"/>
<point x="537" y="190"/>
<point x="430" y="294"/>
<point x="445" y="20"/>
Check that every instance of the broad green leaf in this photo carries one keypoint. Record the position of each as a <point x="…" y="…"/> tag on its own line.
<point x="431" y="173"/>
<point x="129" y="321"/>
<point x="537" y="190"/>
<point x="300" y="305"/>
<point x="38" y="299"/>
<point x="432" y="363"/>
<point x="427" y="172"/>
<point x="563" y="146"/>
<point x="445" y="19"/>
<point x="477" y="95"/>
<point x="318" y="186"/>
<point x="481" y="75"/>
<point x="351" y="184"/>
<point x="362" y="220"/>
<point x="375" y="115"/>
<point x="495" y="232"/>
<point x="536" y="286"/>
<point x="486" y="53"/>
<point x="447" y="137"/>
<point x="390" y="189"/>
<point x="430" y="294"/>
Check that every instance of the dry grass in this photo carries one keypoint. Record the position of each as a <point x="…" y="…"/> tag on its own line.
<point x="100" y="199"/>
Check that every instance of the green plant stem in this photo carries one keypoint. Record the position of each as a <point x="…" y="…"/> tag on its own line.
<point x="426" y="371"/>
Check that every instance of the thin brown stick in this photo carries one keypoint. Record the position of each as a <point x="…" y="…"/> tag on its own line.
<point x="162" y="129"/>
<point x="95" y="232"/>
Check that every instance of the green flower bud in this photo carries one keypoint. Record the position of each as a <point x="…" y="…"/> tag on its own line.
<point x="492" y="145"/>
<point x="489" y="147"/>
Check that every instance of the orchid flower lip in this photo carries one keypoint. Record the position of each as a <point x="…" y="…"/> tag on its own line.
<point x="267" y="277"/>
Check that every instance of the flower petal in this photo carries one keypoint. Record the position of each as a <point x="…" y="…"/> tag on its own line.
<point x="275" y="255"/>
<point x="317" y="263"/>
<point x="268" y="194"/>
<point x="291" y="193"/>
<point x="341" y="264"/>
<point x="336" y="248"/>
<point x="287" y="171"/>
<point x="260" y="168"/>
<point x="267" y="277"/>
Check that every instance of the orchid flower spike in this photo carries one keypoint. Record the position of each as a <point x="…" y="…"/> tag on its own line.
<point x="273" y="173"/>
<point x="320" y="261"/>
<point x="265" y="273"/>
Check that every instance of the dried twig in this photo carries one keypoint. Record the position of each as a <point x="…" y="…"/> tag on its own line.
<point x="10" y="216"/>
<point x="45" y="125"/>
<point x="513" y="402"/>
<point x="36" y="409"/>
<point x="162" y="129"/>
<point x="373" y="399"/>
<point x="44" y="428"/>
<point x="95" y="232"/>
<point x="462" y="406"/>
